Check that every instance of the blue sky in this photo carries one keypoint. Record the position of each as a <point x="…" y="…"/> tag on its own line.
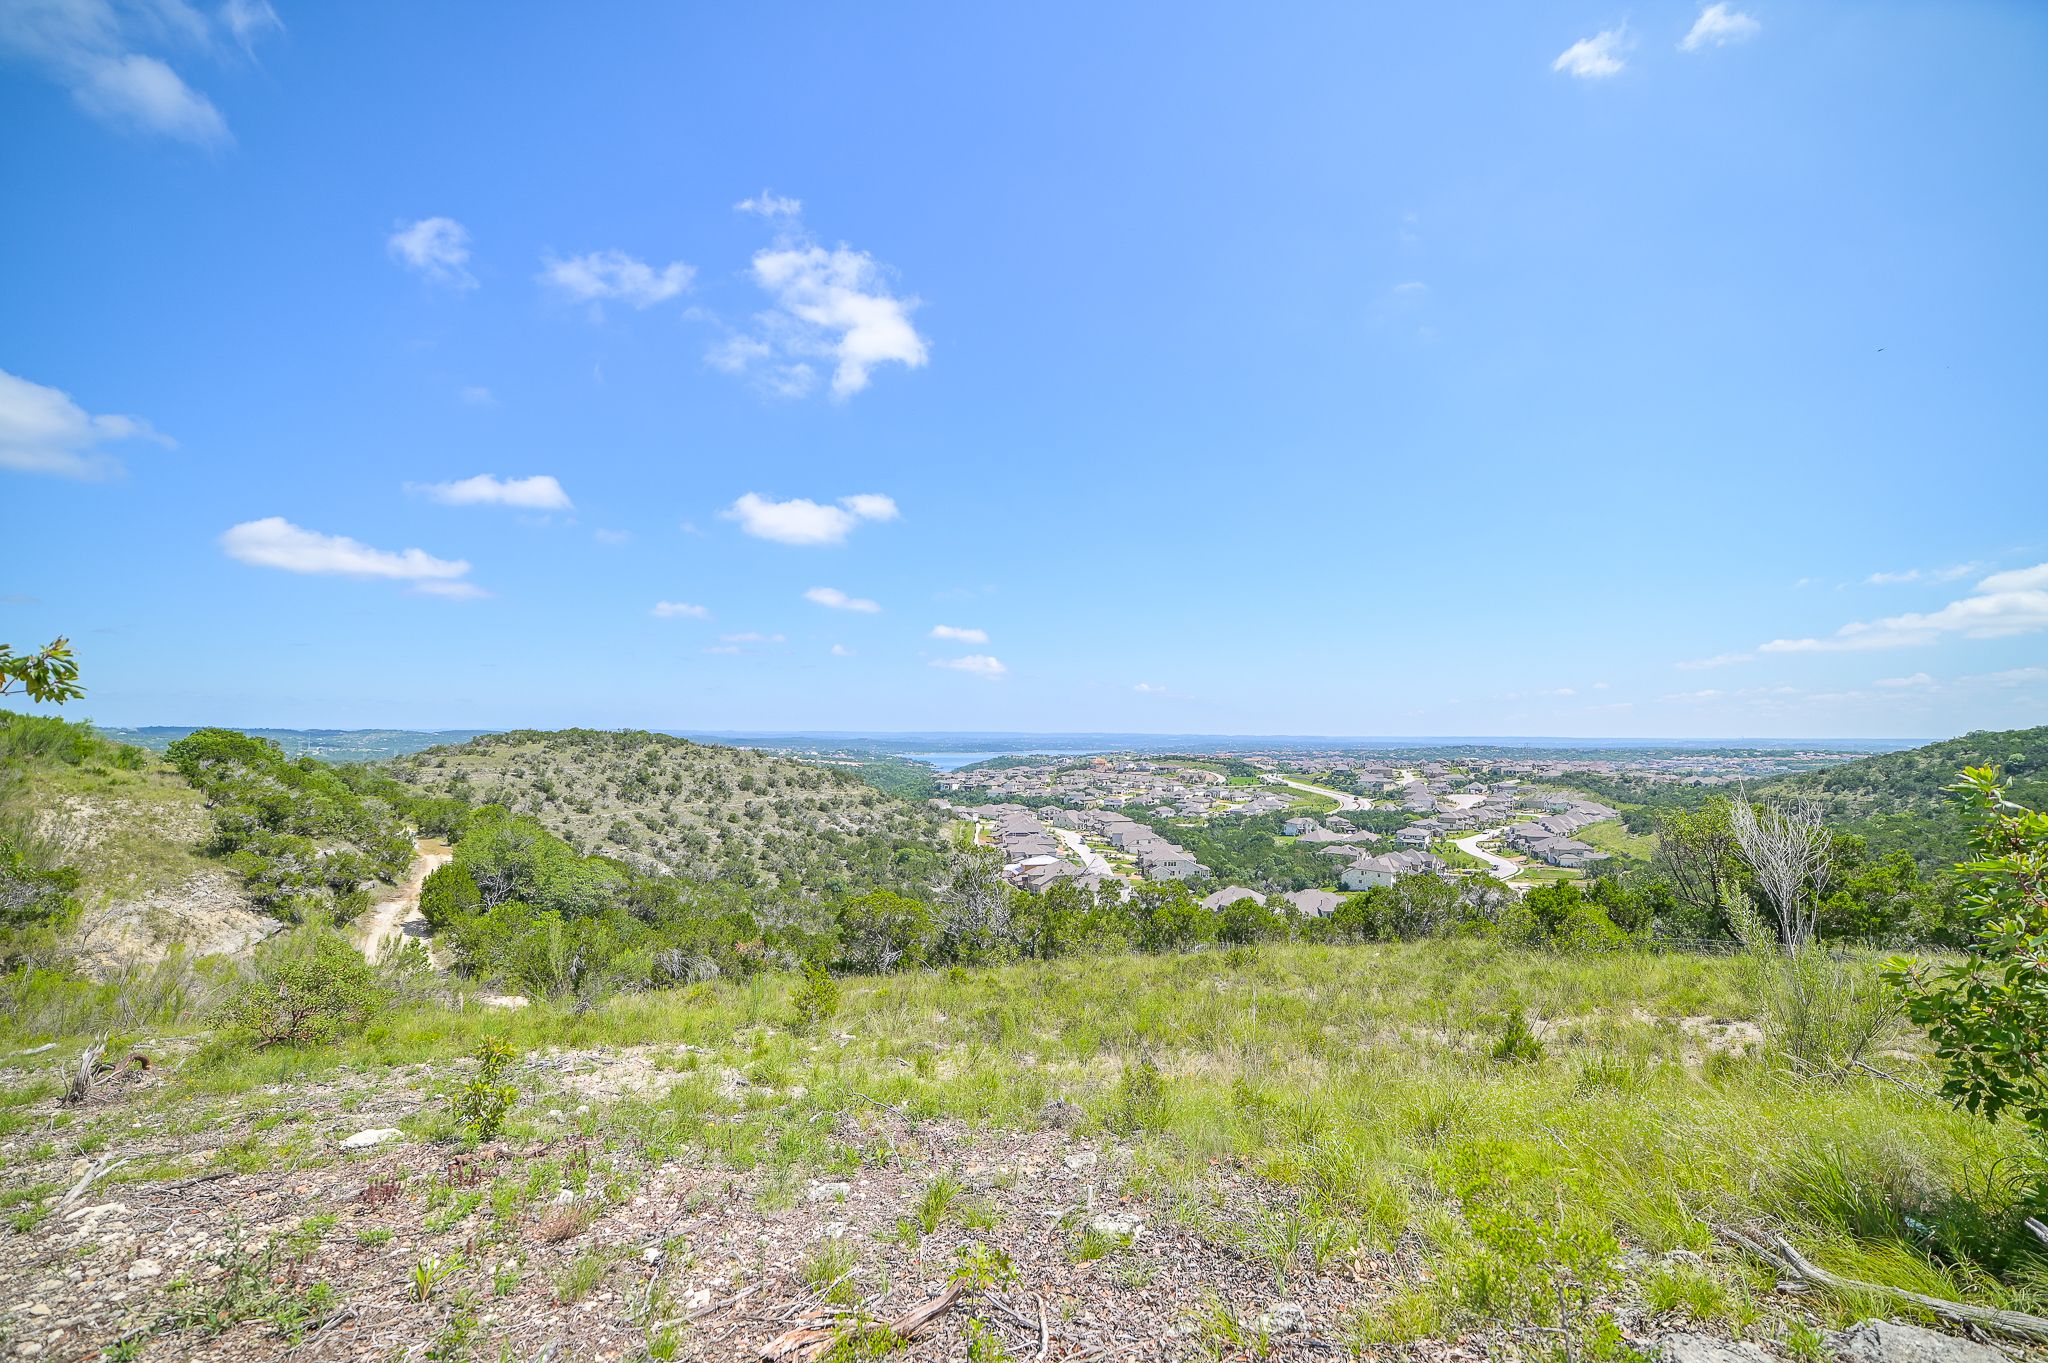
<point x="1563" y="369"/>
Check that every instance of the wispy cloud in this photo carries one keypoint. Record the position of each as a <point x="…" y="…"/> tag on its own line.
<point x="768" y="204"/>
<point x="614" y="276"/>
<point x="94" y="49"/>
<point x="1718" y="26"/>
<point x="801" y="521"/>
<point x="841" y="651"/>
<point x="976" y="664"/>
<point x="679" y="610"/>
<point x="1919" y="680"/>
<point x="1594" y="58"/>
<point x="436" y="249"/>
<point x="613" y="537"/>
<point x="1953" y="573"/>
<point x="960" y="634"/>
<point x="538" y="493"/>
<point x="476" y="395"/>
<point x="2001" y="606"/>
<point x="835" y="599"/>
<point x="1718" y="660"/>
<point x="275" y="542"/>
<point x="43" y="431"/>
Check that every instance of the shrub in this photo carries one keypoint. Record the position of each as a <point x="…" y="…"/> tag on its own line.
<point x="1988" y="1013"/>
<point x="309" y="987"/>
<point x="1517" y="1044"/>
<point x="816" y="997"/>
<point x="481" y="1104"/>
<point x="1821" y="1011"/>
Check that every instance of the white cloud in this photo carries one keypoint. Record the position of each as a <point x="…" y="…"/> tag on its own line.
<point x="436" y="249"/>
<point x="2003" y="605"/>
<point x="1953" y="573"/>
<point x="275" y="542"/>
<point x="840" y="601"/>
<point x="979" y="664"/>
<point x="1718" y="660"/>
<point x="841" y="651"/>
<point x="679" y="610"/>
<point x="800" y="521"/>
<point x="2017" y="580"/>
<point x="455" y="591"/>
<point x="770" y="205"/>
<point x="752" y="637"/>
<point x="960" y="634"/>
<point x="538" y="493"/>
<point x="1916" y="681"/>
<point x="93" y="49"/>
<point x="831" y="305"/>
<point x="615" y="276"/>
<point x="721" y="648"/>
<point x="1560" y="691"/>
<point x="43" y="431"/>
<point x="1719" y="26"/>
<point x="1594" y="58"/>
<point x="2012" y="676"/>
<point x="612" y="536"/>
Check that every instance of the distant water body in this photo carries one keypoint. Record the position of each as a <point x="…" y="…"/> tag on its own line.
<point x="953" y="761"/>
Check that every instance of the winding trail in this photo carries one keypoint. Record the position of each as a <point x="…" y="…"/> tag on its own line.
<point x="386" y="922"/>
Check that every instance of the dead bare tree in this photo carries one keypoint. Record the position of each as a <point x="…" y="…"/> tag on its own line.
<point x="1790" y="850"/>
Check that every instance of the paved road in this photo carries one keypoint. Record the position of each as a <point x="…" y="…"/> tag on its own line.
<point x="1344" y="802"/>
<point x="1092" y="862"/>
<point x="1500" y="868"/>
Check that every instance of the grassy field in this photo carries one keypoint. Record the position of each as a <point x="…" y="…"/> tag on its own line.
<point x="1376" y="1095"/>
<point x="1614" y="839"/>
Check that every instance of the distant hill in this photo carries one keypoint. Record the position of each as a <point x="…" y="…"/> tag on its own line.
<point x="690" y="809"/>
<point x="1898" y="800"/>
<point x="329" y="745"/>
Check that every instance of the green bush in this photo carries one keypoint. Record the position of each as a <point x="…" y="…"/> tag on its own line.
<point x="482" y="1103"/>
<point x="816" y="997"/>
<point x="309" y="988"/>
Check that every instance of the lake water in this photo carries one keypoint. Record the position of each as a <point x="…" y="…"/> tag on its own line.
<point x="953" y="761"/>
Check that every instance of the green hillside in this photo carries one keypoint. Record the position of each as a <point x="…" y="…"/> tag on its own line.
<point x="1899" y="800"/>
<point x="675" y="807"/>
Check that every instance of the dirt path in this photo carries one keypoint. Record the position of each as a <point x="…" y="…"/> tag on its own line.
<point x="399" y="917"/>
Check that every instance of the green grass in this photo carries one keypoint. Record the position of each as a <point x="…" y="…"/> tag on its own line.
<point x="1612" y="837"/>
<point x="1363" y="1093"/>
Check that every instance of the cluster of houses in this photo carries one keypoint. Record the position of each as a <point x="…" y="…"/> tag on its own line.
<point x="1034" y="856"/>
<point x="1550" y="838"/>
<point x="1104" y="782"/>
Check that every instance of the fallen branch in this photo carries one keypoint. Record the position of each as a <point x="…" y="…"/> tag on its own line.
<point x="1790" y="1261"/>
<point x="106" y="1166"/>
<point x="2040" y="1231"/>
<point x="813" y="1343"/>
<point x="1894" y="1079"/>
<point x="1044" y="1336"/>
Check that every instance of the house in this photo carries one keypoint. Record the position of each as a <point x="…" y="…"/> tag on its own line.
<point x="1314" y="903"/>
<point x="1230" y="894"/>
<point x="1414" y="835"/>
<point x="1385" y="869"/>
<point x="1294" y="828"/>
<point x="1171" y="863"/>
